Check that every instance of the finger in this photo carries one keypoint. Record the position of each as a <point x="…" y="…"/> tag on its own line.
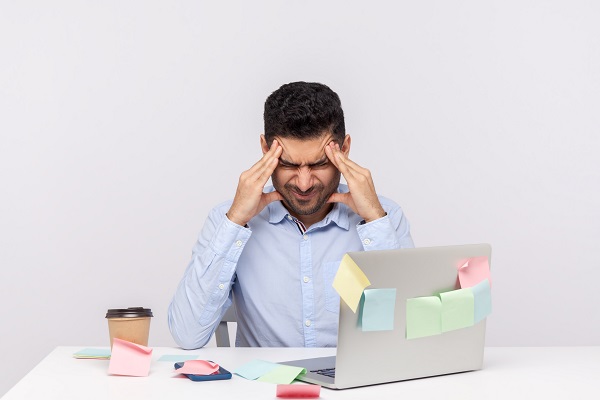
<point x="348" y="162"/>
<point x="271" y="197"/>
<point x="262" y="170"/>
<point x="333" y="154"/>
<point x="345" y="198"/>
<point x="354" y="170"/>
<point x="338" y="198"/>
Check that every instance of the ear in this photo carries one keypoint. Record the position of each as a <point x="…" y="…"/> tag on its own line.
<point x="263" y="144"/>
<point x="346" y="145"/>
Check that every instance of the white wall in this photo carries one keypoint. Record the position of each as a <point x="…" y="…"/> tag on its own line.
<point x="123" y="122"/>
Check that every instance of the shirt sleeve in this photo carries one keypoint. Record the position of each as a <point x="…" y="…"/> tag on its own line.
<point x="204" y="293"/>
<point x="389" y="232"/>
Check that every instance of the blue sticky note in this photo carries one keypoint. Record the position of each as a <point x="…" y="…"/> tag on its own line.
<point x="255" y="369"/>
<point x="178" y="357"/>
<point x="378" y="309"/>
<point x="92" y="353"/>
<point x="483" y="300"/>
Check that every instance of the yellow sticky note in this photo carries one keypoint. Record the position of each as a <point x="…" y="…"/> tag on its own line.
<point x="350" y="282"/>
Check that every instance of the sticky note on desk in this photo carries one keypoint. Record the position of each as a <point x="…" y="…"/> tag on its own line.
<point x="473" y="271"/>
<point x="457" y="309"/>
<point x="298" y="391"/>
<point x="129" y="359"/>
<point x="198" y="367"/>
<point x="255" y="369"/>
<point x="350" y="282"/>
<point x="90" y="353"/>
<point x="423" y="317"/>
<point x="282" y="374"/>
<point x="377" y="312"/>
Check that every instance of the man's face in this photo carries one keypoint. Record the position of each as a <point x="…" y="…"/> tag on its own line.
<point x="305" y="177"/>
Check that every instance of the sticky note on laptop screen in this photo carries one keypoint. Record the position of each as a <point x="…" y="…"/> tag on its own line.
<point x="457" y="309"/>
<point x="350" y="282"/>
<point x="423" y="317"/>
<point x="482" y="296"/>
<point x="378" y="310"/>
<point x="473" y="271"/>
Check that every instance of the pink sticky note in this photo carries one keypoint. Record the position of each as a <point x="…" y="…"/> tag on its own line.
<point x="298" y="391"/>
<point x="198" y="367"/>
<point x="129" y="359"/>
<point x="473" y="271"/>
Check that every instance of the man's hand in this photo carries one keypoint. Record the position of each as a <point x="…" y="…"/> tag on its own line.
<point x="361" y="198"/>
<point x="249" y="198"/>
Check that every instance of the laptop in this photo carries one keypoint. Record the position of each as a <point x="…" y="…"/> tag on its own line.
<point x="369" y="358"/>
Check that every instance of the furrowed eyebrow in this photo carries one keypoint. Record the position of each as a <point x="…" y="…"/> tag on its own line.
<point x="288" y="163"/>
<point x="322" y="161"/>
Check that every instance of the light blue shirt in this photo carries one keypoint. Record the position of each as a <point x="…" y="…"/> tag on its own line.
<point x="280" y="278"/>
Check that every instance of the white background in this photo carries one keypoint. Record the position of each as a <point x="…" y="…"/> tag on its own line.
<point x="123" y="122"/>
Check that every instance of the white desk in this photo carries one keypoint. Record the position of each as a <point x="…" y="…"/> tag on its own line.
<point x="509" y="372"/>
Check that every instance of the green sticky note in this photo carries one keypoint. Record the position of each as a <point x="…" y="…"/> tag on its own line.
<point x="378" y="310"/>
<point x="483" y="300"/>
<point x="458" y="307"/>
<point x="255" y="369"/>
<point x="92" y="353"/>
<point x="423" y="317"/>
<point x="283" y="374"/>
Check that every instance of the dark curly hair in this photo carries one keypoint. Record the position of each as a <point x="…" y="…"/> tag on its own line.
<point x="304" y="110"/>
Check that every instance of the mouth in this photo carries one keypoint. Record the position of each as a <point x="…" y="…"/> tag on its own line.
<point x="304" y="196"/>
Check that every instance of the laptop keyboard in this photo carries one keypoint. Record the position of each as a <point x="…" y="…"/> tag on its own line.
<point x="330" y="372"/>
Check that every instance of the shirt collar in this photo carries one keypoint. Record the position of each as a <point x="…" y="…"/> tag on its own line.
<point x="339" y="214"/>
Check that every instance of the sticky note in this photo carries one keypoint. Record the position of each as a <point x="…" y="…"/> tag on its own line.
<point x="457" y="309"/>
<point x="423" y="317"/>
<point x="473" y="271"/>
<point x="129" y="359"/>
<point x="350" y="282"/>
<point x="482" y="296"/>
<point x="178" y="357"/>
<point x="378" y="310"/>
<point x="255" y="369"/>
<point x="296" y="391"/>
<point x="282" y="374"/>
<point x="93" y="353"/>
<point x="198" y="367"/>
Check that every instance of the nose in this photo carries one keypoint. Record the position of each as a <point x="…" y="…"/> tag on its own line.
<point x="304" y="179"/>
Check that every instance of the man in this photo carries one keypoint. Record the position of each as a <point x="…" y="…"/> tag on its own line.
<point x="278" y="249"/>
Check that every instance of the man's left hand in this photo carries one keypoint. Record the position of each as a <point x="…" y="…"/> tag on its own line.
<point x="361" y="198"/>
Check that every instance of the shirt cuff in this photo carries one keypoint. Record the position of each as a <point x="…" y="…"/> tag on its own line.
<point x="378" y="234"/>
<point x="229" y="240"/>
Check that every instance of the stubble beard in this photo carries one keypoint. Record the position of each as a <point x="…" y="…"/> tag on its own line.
<point x="306" y="207"/>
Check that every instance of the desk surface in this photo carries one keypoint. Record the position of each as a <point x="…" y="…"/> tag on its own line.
<point x="509" y="372"/>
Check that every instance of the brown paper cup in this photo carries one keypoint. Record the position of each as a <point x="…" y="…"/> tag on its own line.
<point x="132" y="324"/>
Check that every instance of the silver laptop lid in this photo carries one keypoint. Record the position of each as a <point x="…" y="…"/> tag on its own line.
<point x="367" y="358"/>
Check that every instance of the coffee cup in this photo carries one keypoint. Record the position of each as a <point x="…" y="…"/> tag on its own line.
<point x="131" y="324"/>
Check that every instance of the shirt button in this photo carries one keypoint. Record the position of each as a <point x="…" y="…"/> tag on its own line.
<point x="221" y="286"/>
<point x="307" y="323"/>
<point x="367" y="241"/>
<point x="238" y="243"/>
<point x="290" y="217"/>
<point x="305" y="237"/>
<point x="306" y="279"/>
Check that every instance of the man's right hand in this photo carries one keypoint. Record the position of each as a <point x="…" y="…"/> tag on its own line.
<point x="249" y="198"/>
